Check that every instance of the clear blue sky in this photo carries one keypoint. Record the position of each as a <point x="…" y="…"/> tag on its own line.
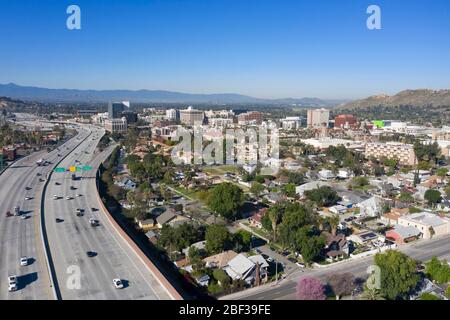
<point x="263" y="48"/>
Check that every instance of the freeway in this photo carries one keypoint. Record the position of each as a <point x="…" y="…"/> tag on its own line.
<point x="423" y="251"/>
<point x="22" y="237"/>
<point x="79" y="276"/>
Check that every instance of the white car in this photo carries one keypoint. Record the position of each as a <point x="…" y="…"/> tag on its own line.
<point x="301" y="265"/>
<point x="27" y="198"/>
<point x="55" y="197"/>
<point x="78" y="195"/>
<point x="24" y="261"/>
<point x="118" y="284"/>
<point x="12" y="283"/>
<point x="69" y="198"/>
<point x="24" y="217"/>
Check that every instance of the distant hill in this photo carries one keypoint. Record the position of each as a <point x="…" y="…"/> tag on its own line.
<point x="146" y="96"/>
<point x="412" y="98"/>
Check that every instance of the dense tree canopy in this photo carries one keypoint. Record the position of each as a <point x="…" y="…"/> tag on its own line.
<point x="226" y="199"/>
<point x="398" y="274"/>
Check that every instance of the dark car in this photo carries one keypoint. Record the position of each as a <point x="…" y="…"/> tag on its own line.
<point x="58" y="220"/>
<point x="91" y="254"/>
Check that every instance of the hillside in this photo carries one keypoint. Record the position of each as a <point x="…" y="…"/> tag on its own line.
<point x="413" y="98"/>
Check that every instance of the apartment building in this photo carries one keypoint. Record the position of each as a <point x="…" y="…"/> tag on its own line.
<point x="192" y="116"/>
<point x="252" y="117"/>
<point x="404" y="153"/>
<point x="318" y="118"/>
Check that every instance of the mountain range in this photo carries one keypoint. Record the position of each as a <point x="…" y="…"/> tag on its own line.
<point x="146" y="96"/>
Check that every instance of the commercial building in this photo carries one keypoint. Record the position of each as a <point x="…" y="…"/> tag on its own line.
<point x="404" y="153"/>
<point x="192" y="117"/>
<point x="132" y="117"/>
<point x="429" y="224"/>
<point x="115" y="109"/>
<point x="291" y="123"/>
<point x="318" y="118"/>
<point x="345" y="121"/>
<point x="252" y="117"/>
<point x="116" y="125"/>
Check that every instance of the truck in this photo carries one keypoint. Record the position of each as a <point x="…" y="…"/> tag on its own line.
<point x="17" y="211"/>
<point x="74" y="176"/>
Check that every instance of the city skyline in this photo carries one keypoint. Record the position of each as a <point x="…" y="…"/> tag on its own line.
<point x="269" y="51"/>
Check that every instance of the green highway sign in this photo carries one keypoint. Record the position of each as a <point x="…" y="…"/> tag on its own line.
<point x="60" y="170"/>
<point x="73" y="169"/>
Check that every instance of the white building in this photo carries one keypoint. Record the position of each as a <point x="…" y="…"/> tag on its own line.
<point x="291" y="123"/>
<point x="172" y="114"/>
<point x="116" y="125"/>
<point x="191" y="116"/>
<point x="404" y="153"/>
<point x="429" y="224"/>
<point x="318" y="118"/>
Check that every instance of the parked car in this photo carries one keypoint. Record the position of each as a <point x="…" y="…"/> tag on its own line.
<point x="118" y="284"/>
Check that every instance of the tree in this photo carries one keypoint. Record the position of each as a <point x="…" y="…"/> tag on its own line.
<point x="371" y="294"/>
<point x="433" y="197"/>
<point x="333" y="221"/>
<point x="437" y="270"/>
<point x="406" y="197"/>
<point x="222" y="277"/>
<point x="341" y="284"/>
<point x="217" y="238"/>
<point x="309" y="288"/>
<point x="274" y="214"/>
<point x="295" y="217"/>
<point x="442" y="173"/>
<point x="256" y="188"/>
<point x="398" y="274"/>
<point x="226" y="199"/>
<point x="323" y="196"/>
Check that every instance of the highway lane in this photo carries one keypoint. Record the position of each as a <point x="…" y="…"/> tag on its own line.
<point x="22" y="237"/>
<point x="71" y="239"/>
<point x="423" y="251"/>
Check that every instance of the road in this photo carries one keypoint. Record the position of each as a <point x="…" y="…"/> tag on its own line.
<point x="423" y="250"/>
<point x="71" y="239"/>
<point x="22" y="237"/>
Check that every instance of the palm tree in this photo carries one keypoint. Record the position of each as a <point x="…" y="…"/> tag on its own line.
<point x="371" y="294"/>
<point x="333" y="221"/>
<point x="274" y="216"/>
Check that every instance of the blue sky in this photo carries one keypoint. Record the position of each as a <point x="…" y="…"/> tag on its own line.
<point x="263" y="48"/>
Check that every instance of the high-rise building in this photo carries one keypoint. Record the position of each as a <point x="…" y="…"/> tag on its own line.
<point x="116" y="125"/>
<point x="172" y="114"/>
<point x="115" y="109"/>
<point x="318" y="118"/>
<point x="131" y="116"/>
<point x="344" y="121"/>
<point x="191" y="116"/>
<point x="252" y="117"/>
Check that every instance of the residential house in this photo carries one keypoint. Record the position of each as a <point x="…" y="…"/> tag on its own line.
<point x="244" y="268"/>
<point x="220" y="260"/>
<point x="391" y="218"/>
<point x="371" y="207"/>
<point x="198" y="245"/>
<point x="300" y="190"/>
<point x="337" y="246"/>
<point x="363" y="237"/>
<point x="127" y="183"/>
<point x="326" y="175"/>
<point x="256" y="219"/>
<point x="146" y="224"/>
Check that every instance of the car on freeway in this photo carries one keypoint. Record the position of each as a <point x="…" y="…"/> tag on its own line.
<point x="57" y="184"/>
<point x="118" y="284"/>
<point x="58" y="220"/>
<point x="93" y="222"/>
<point x="69" y="198"/>
<point x="78" y="195"/>
<point x="55" y="197"/>
<point x="38" y="174"/>
<point x="91" y="254"/>
<point x="27" y="188"/>
<point x="12" y="283"/>
<point x="28" y="198"/>
<point x="24" y="261"/>
<point x="24" y="217"/>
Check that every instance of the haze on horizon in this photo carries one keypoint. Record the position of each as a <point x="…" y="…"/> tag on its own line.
<point x="265" y="49"/>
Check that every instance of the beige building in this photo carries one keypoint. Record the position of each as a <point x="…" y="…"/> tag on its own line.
<point x="429" y="224"/>
<point x="191" y="116"/>
<point x="318" y="118"/>
<point x="116" y="125"/>
<point x="404" y="153"/>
